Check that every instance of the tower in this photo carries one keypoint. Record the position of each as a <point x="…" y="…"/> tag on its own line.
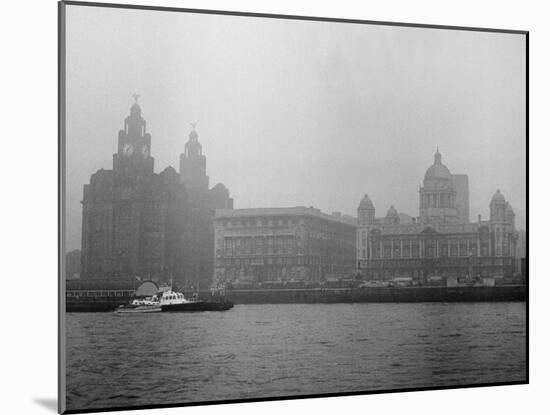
<point x="462" y="200"/>
<point x="365" y="212"/>
<point x="133" y="156"/>
<point x="392" y="217"/>
<point x="498" y="207"/>
<point x="113" y="204"/>
<point x="499" y="225"/>
<point x="511" y="216"/>
<point x="193" y="163"/>
<point x="438" y="195"/>
<point x="365" y="219"/>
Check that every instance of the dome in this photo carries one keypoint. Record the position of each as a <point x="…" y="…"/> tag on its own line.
<point x="392" y="212"/>
<point x="498" y="197"/>
<point x="193" y="135"/>
<point x="438" y="170"/>
<point x="220" y="188"/>
<point x="366" y="203"/>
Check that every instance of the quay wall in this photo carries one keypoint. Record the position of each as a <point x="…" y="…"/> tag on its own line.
<point x="380" y="295"/>
<point x="334" y="295"/>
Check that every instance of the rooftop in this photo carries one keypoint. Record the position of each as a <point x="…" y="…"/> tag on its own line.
<point x="285" y="211"/>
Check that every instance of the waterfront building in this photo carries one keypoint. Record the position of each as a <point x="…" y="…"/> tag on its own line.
<point x="296" y="244"/>
<point x="72" y="264"/>
<point x="441" y="241"/>
<point x="138" y="223"/>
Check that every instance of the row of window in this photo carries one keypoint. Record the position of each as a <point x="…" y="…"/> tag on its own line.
<point x="99" y="293"/>
<point x="428" y="252"/>
<point x="447" y="262"/>
<point x="249" y="241"/>
<point x="437" y="200"/>
<point x="253" y="222"/>
<point x="260" y="262"/>
<point x="258" y="251"/>
<point x="284" y="261"/>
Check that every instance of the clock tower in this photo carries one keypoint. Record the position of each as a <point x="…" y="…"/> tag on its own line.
<point x="193" y="164"/>
<point x="133" y="157"/>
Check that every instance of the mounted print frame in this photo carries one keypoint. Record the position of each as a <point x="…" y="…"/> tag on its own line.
<point x="260" y="207"/>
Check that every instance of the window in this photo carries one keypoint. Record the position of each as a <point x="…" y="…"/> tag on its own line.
<point x="464" y="248"/>
<point x="443" y="248"/>
<point x="415" y="250"/>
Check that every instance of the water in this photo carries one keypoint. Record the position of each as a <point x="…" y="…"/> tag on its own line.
<point x="257" y="351"/>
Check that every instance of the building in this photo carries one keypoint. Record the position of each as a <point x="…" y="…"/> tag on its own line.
<point x="138" y="223"/>
<point x="72" y="264"/>
<point x="441" y="240"/>
<point x="296" y="244"/>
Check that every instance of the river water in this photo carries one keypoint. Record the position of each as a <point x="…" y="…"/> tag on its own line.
<point x="255" y="351"/>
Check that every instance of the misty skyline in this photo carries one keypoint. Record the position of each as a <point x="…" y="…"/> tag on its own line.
<point x="296" y="113"/>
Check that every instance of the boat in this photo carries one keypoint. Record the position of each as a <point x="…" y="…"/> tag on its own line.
<point x="145" y="305"/>
<point x="176" y="301"/>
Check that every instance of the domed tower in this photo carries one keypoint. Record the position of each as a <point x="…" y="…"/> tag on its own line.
<point x="437" y="196"/>
<point x="499" y="226"/>
<point x="510" y="216"/>
<point x="512" y="232"/>
<point x="193" y="163"/>
<point x="365" y="211"/>
<point x="498" y="207"/>
<point x="392" y="217"/>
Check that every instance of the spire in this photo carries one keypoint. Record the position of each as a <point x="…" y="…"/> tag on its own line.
<point x="437" y="156"/>
<point x="193" y="135"/>
<point x="134" y="124"/>
<point x="193" y="162"/>
<point x="135" y="109"/>
<point x="193" y="147"/>
<point x="134" y="143"/>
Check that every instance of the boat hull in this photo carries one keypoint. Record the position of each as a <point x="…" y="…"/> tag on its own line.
<point x="138" y="309"/>
<point x="198" y="306"/>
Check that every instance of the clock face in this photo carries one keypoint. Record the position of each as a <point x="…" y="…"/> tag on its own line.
<point x="127" y="150"/>
<point x="145" y="151"/>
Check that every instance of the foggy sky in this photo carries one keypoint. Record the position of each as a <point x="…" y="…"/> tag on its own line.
<point x="296" y="113"/>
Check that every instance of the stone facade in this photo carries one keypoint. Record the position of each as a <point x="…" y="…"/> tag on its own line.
<point x="441" y="241"/>
<point x="138" y="223"/>
<point x="295" y="244"/>
<point x="72" y="264"/>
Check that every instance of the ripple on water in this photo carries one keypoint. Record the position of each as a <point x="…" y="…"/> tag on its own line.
<point x="274" y="350"/>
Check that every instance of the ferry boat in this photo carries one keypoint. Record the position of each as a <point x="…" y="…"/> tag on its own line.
<point x="146" y="305"/>
<point x="176" y="301"/>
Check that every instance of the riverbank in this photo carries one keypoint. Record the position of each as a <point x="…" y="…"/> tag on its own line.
<point x="334" y="295"/>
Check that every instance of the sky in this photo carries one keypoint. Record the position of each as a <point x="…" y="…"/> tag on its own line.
<point x="298" y="113"/>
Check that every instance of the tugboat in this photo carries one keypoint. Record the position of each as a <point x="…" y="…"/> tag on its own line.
<point x="146" y="305"/>
<point x="176" y="301"/>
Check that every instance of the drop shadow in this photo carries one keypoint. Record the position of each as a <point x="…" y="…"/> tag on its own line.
<point x="48" y="403"/>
